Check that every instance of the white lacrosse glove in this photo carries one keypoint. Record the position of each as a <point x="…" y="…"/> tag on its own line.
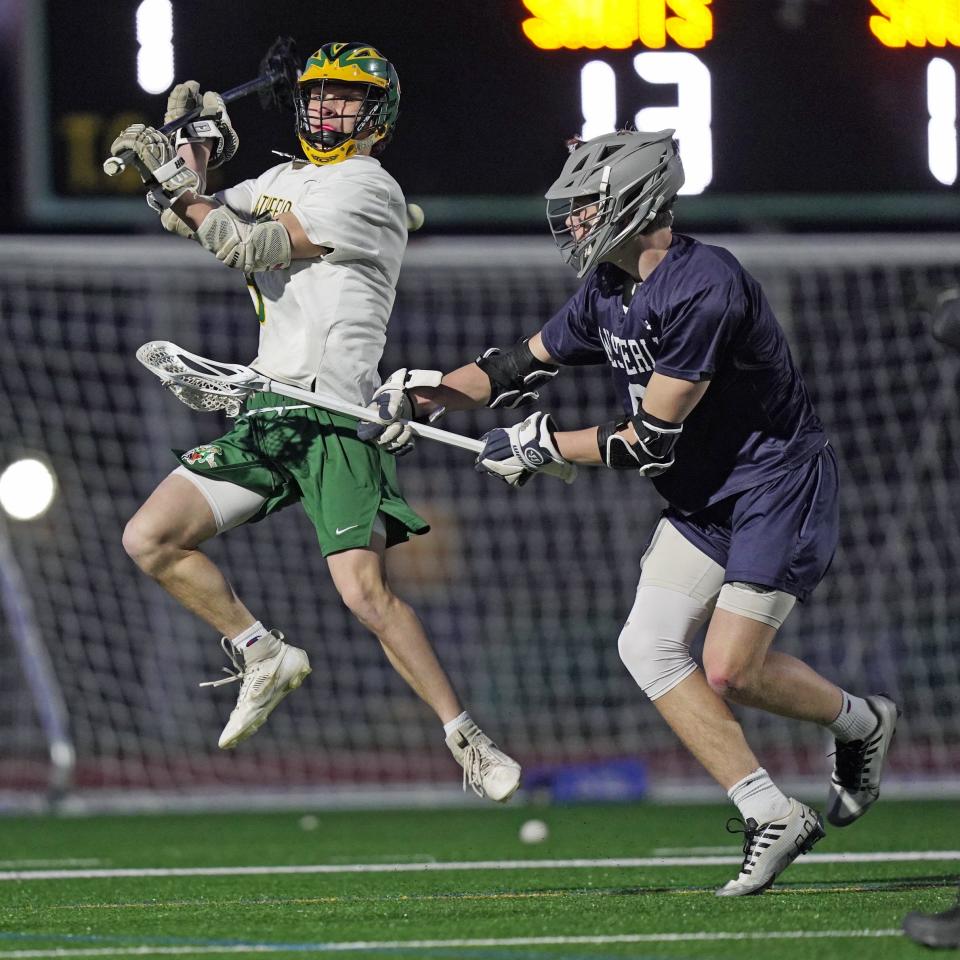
<point x="167" y="174"/>
<point x="168" y="219"/>
<point x="515" y="454"/>
<point x="392" y="402"/>
<point x="212" y="126"/>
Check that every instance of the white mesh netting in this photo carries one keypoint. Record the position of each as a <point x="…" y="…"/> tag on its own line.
<point x="522" y="592"/>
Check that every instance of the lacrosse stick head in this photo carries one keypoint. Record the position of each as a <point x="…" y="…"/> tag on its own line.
<point x="280" y="65"/>
<point x="204" y="385"/>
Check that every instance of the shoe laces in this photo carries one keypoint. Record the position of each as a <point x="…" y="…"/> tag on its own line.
<point x="477" y="761"/>
<point x="752" y="833"/>
<point x="851" y="762"/>
<point x="251" y="678"/>
<point x="239" y="671"/>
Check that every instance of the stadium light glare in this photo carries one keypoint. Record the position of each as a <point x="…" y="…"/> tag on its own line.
<point x="27" y="488"/>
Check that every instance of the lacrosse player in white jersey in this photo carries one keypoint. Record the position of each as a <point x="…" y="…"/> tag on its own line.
<point x="327" y="231"/>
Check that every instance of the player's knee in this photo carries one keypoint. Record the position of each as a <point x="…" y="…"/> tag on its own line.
<point x="657" y="658"/>
<point x="368" y="600"/>
<point x="144" y="544"/>
<point x="153" y="544"/>
<point x="729" y="676"/>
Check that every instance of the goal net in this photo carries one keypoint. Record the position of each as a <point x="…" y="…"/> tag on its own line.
<point x="522" y="592"/>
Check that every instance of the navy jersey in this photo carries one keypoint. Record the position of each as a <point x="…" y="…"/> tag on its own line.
<point x="698" y="316"/>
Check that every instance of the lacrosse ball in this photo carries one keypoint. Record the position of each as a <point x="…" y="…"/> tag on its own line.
<point x="414" y="217"/>
<point x="534" y="831"/>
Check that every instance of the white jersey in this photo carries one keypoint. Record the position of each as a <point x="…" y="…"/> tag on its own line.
<point x="323" y="322"/>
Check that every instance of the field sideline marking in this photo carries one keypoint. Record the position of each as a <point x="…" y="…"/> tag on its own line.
<point x="346" y="946"/>
<point x="728" y="848"/>
<point x="62" y="862"/>
<point x="898" y="856"/>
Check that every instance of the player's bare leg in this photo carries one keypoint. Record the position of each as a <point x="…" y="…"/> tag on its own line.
<point x="360" y="577"/>
<point x="163" y="539"/>
<point x="743" y="669"/>
<point x="776" y="828"/>
<point x="701" y="719"/>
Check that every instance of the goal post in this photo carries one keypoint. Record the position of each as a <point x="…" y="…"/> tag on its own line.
<point x="523" y="592"/>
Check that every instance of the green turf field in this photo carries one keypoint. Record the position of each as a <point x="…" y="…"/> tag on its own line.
<point x="452" y="884"/>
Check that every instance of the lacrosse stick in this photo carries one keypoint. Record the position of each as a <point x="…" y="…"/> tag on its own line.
<point x="209" y="385"/>
<point x="276" y="83"/>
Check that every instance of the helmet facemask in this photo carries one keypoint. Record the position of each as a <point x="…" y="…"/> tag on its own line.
<point x="344" y="71"/>
<point x="629" y="176"/>
<point x="367" y="119"/>
<point x="574" y="223"/>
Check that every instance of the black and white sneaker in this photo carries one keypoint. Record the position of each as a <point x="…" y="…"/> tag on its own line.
<point x="769" y="848"/>
<point x="934" y="929"/>
<point x="858" y="766"/>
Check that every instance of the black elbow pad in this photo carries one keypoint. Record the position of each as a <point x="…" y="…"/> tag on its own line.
<point x="651" y="455"/>
<point x="514" y="375"/>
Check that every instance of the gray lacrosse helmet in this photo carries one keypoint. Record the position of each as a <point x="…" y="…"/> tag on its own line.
<point x="613" y="186"/>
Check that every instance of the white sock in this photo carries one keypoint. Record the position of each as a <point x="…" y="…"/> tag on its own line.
<point x="758" y="798"/>
<point x="855" y="721"/>
<point x="255" y="643"/>
<point x="452" y="725"/>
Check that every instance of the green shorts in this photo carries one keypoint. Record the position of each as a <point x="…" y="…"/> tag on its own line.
<point x="291" y="453"/>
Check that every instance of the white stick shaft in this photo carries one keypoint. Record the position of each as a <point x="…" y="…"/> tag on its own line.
<point x="563" y="471"/>
<point x="362" y="413"/>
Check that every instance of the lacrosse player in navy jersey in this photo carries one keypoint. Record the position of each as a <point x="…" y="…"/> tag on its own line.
<point x="716" y="413"/>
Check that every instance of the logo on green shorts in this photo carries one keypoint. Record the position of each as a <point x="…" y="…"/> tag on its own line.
<point x="205" y="454"/>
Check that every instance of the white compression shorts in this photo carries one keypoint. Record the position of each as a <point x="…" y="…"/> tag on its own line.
<point x="233" y="505"/>
<point x="680" y="586"/>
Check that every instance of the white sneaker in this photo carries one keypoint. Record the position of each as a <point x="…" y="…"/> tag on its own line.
<point x="769" y="848"/>
<point x="858" y="766"/>
<point x="489" y="771"/>
<point x="263" y="684"/>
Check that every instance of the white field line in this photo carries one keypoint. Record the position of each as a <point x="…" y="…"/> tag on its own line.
<point x="679" y="851"/>
<point x="897" y="856"/>
<point x="348" y="947"/>
<point x="62" y="862"/>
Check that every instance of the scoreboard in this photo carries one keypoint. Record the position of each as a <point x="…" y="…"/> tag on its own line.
<point x="788" y="112"/>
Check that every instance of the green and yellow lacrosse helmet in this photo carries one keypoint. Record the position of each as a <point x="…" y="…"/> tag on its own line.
<point x="360" y="65"/>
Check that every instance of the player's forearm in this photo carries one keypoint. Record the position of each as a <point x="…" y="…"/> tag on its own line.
<point x="578" y="446"/>
<point x="583" y="447"/>
<point x="465" y="388"/>
<point x="505" y="378"/>
<point x="192" y="208"/>
<point x="197" y="155"/>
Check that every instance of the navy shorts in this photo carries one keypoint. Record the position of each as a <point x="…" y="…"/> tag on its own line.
<point x="780" y="534"/>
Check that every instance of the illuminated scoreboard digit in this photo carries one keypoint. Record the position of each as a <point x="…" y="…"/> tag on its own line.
<point x="689" y="24"/>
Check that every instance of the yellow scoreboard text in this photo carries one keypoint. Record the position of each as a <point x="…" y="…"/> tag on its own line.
<point x="618" y="24"/>
<point x="919" y="23"/>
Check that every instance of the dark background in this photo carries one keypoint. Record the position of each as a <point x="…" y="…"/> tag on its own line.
<point x="806" y="103"/>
